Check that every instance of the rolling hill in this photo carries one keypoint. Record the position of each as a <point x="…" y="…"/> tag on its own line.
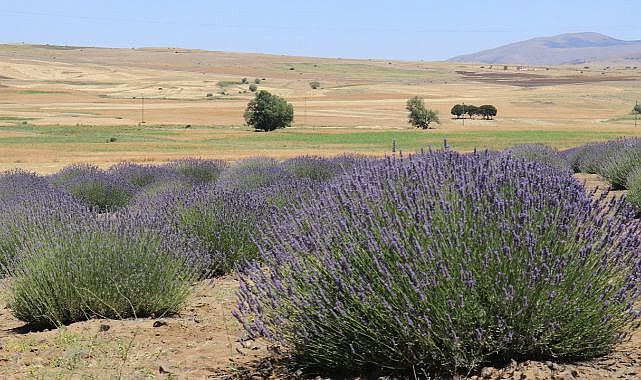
<point x="572" y="48"/>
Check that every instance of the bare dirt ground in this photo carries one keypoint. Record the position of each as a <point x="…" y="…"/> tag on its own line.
<point x="201" y="342"/>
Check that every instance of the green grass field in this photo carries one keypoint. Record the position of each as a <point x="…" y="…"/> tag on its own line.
<point x="213" y="140"/>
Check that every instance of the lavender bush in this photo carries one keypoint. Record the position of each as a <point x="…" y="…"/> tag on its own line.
<point x="617" y="166"/>
<point x="223" y="222"/>
<point x="539" y="153"/>
<point x="19" y="182"/>
<point x="313" y="168"/>
<point x="633" y="184"/>
<point x="253" y="173"/>
<point x="197" y="171"/>
<point x="93" y="186"/>
<point x="102" y="267"/>
<point x="148" y="199"/>
<point x="591" y="156"/>
<point x="23" y="215"/>
<point x="444" y="262"/>
<point x="142" y="176"/>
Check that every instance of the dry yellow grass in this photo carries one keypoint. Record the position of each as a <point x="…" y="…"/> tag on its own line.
<point x="49" y="86"/>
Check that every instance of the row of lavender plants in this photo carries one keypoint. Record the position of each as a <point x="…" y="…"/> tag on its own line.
<point x="435" y="262"/>
<point x="131" y="240"/>
<point x="617" y="161"/>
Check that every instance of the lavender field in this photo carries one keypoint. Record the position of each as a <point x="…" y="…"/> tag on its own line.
<point x="431" y="263"/>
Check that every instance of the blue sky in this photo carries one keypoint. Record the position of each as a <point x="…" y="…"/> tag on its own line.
<point x="412" y="30"/>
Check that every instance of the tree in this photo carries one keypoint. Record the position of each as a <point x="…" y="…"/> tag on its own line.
<point x="314" y="85"/>
<point x="419" y="115"/>
<point x="253" y="87"/>
<point x="471" y="111"/>
<point x="637" y="109"/>
<point x="268" y="112"/>
<point x="458" y="110"/>
<point x="488" y="111"/>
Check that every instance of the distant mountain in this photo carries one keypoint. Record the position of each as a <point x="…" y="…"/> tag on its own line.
<point x="572" y="48"/>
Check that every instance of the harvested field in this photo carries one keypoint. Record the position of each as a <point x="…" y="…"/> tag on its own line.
<point x="521" y="79"/>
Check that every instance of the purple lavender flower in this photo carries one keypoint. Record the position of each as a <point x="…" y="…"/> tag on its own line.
<point x="482" y="252"/>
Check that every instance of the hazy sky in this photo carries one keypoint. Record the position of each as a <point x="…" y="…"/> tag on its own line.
<point x="413" y="30"/>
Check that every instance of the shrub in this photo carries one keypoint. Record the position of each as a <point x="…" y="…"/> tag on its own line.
<point x="444" y="262"/>
<point x="253" y="87"/>
<point x="348" y="161"/>
<point x="268" y="112"/>
<point x="251" y="174"/>
<point x="108" y="268"/>
<point x="141" y="175"/>
<point x="591" y="156"/>
<point x="571" y="156"/>
<point x="197" y="171"/>
<point x="22" y="217"/>
<point x="223" y="222"/>
<point x="633" y="184"/>
<point x="313" y="168"/>
<point x="147" y="199"/>
<point x="315" y="85"/>
<point x="539" y="153"/>
<point x="19" y="182"/>
<point x="96" y="188"/>
<point x="617" y="166"/>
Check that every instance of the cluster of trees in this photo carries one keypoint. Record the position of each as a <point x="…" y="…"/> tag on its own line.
<point x="486" y="111"/>
<point x="268" y="112"/>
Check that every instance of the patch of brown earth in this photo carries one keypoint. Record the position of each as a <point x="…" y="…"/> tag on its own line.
<point x="200" y="342"/>
<point x="536" y="80"/>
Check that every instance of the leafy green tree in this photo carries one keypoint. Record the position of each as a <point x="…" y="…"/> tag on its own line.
<point x="253" y="87"/>
<point x="488" y="111"/>
<point x="419" y="115"/>
<point x="637" y="109"/>
<point x="458" y="110"/>
<point x="268" y="112"/>
<point x="471" y="111"/>
<point x="314" y="85"/>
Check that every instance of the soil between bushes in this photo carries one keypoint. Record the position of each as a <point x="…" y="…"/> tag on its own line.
<point x="203" y="341"/>
<point x="200" y="342"/>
